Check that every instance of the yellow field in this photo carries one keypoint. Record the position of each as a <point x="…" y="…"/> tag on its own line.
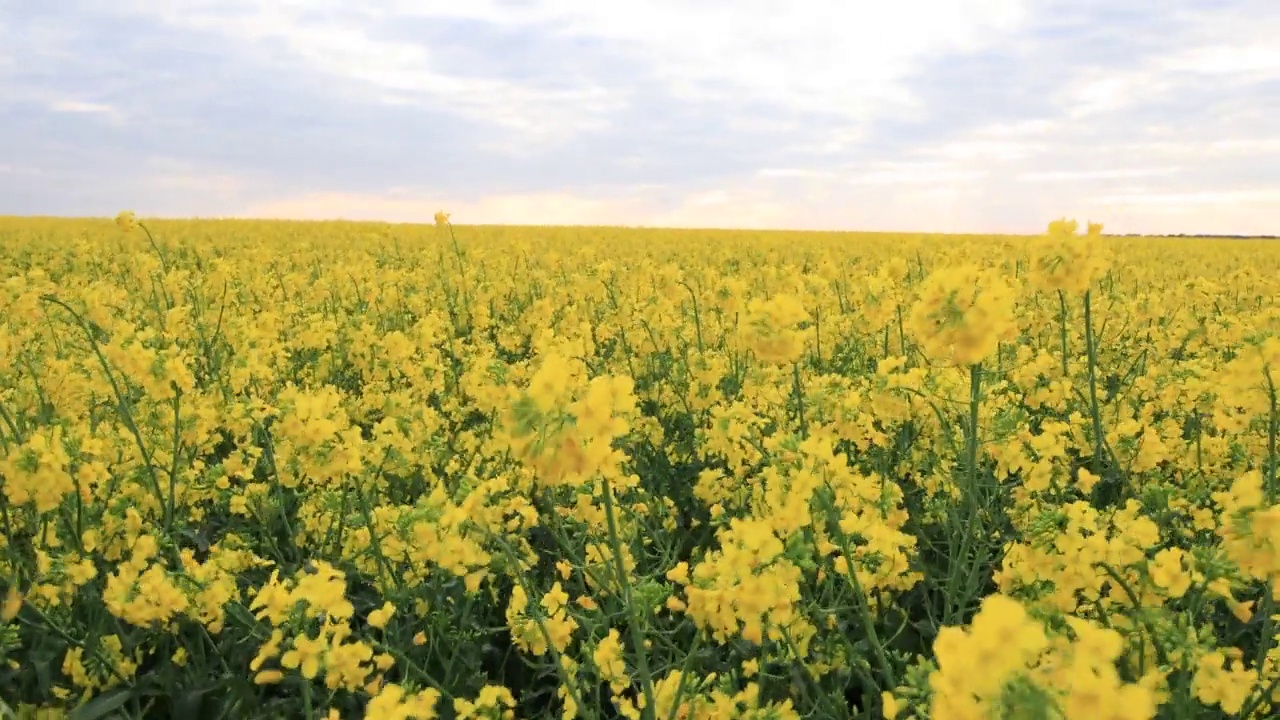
<point x="256" y="469"/>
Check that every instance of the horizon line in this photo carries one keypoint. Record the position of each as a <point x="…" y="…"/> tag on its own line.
<point x="681" y="228"/>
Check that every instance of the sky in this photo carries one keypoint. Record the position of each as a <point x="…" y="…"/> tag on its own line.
<point x="1150" y="116"/>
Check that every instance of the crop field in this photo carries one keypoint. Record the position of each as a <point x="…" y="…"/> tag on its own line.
<point x="262" y="469"/>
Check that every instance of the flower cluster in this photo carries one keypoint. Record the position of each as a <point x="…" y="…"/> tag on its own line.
<point x="345" y="470"/>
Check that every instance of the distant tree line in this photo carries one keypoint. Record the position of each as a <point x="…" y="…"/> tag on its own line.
<point x="1185" y="235"/>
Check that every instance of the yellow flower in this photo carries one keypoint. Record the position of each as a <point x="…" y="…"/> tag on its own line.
<point x="890" y="705"/>
<point x="268" y="677"/>
<point x="380" y="617"/>
<point x="494" y="702"/>
<point x="1167" y="572"/>
<point x="306" y="656"/>
<point x="609" y="662"/>
<point x="771" y="329"/>
<point x="82" y="572"/>
<point x="561" y="628"/>
<point x="126" y="220"/>
<point x="962" y="315"/>
<point x="1215" y="685"/>
<point x="1086" y="480"/>
<point x="555" y="599"/>
<point x="12" y="604"/>
<point x="1065" y="261"/>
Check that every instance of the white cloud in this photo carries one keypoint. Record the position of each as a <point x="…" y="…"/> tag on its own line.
<point x="338" y="41"/>
<point x="795" y="173"/>
<point x="1243" y="61"/>
<point x="549" y="208"/>
<point x="9" y="169"/>
<point x="1242" y="146"/>
<point x="1108" y="174"/>
<point x="822" y="115"/>
<point x="920" y="174"/>
<point x="902" y="175"/>
<point x="79" y="106"/>
<point x="985" y="149"/>
<point x="1254" y="61"/>
<point x="1184" y="201"/>
<point x="770" y="202"/>
<point x="902" y="198"/>
<point x="1180" y="148"/>
<point x="174" y="174"/>
<point x="846" y="61"/>
<point x="83" y="107"/>
<point x="832" y="58"/>
<point x="1099" y="92"/>
<point x="1244" y="211"/>
<point x="738" y="207"/>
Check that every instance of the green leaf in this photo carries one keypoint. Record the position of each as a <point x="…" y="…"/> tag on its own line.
<point x="102" y="706"/>
<point x="241" y="614"/>
<point x="188" y="704"/>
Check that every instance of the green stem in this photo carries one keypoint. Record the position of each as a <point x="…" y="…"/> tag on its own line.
<point x="817" y="336"/>
<point x="697" y="320"/>
<point x="1264" y="640"/>
<point x="375" y="542"/>
<point x="1095" y="411"/>
<point x="1273" y="428"/>
<point x="1247" y="710"/>
<point x="971" y="525"/>
<point x="829" y="708"/>
<point x="126" y="412"/>
<point x="462" y="272"/>
<point x="902" y="331"/>
<point x="684" y="676"/>
<point x="864" y="608"/>
<point x="1273" y="419"/>
<point x="798" y="392"/>
<point x="1137" y="608"/>
<point x="1062" y="329"/>
<point x="635" y="631"/>
<point x="95" y="650"/>
<point x="404" y="660"/>
<point x="177" y="450"/>
<point x="531" y="595"/>
<point x="164" y="261"/>
<point x="13" y="428"/>
<point x="971" y="441"/>
<point x="307" y="710"/>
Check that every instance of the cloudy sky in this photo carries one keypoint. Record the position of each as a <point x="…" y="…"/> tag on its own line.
<point x="935" y="115"/>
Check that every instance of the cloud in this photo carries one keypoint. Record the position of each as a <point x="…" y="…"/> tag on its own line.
<point x="8" y="169"/>
<point x="1257" y="60"/>
<point x="81" y="107"/>
<point x="507" y="209"/>
<point x="348" y="44"/>
<point x="1182" y="201"/>
<point x="1239" y="211"/>
<point x="1108" y="174"/>
<point x="830" y="60"/>
<point x="937" y="115"/>
<point x="76" y="106"/>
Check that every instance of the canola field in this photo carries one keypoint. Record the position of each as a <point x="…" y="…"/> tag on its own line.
<point x="340" y="470"/>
